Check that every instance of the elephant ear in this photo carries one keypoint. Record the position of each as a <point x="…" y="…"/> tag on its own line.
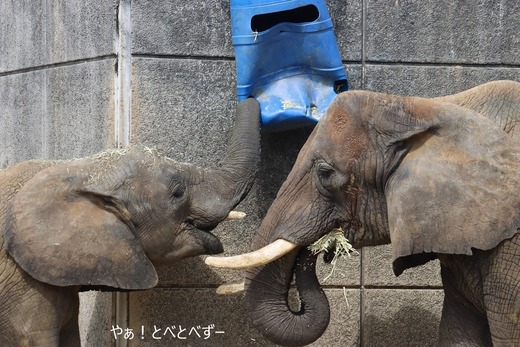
<point x="496" y="100"/>
<point x="452" y="191"/>
<point x="63" y="234"/>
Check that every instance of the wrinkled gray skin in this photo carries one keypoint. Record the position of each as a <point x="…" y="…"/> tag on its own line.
<point x="434" y="177"/>
<point x="104" y="221"/>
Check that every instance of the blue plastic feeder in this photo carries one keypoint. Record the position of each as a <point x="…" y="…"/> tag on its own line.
<point x="287" y="58"/>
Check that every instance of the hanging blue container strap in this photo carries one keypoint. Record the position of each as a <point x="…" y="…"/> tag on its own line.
<point x="287" y="58"/>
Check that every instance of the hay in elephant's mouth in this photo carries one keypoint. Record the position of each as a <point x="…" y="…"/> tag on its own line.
<point x="336" y="242"/>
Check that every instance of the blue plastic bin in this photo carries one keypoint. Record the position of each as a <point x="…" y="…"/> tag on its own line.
<point x="287" y="58"/>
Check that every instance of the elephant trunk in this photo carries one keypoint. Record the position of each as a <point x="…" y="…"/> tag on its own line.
<point x="223" y="188"/>
<point x="243" y="154"/>
<point x="267" y="301"/>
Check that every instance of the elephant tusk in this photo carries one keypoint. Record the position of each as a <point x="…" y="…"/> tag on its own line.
<point x="253" y="259"/>
<point x="230" y="288"/>
<point x="235" y="215"/>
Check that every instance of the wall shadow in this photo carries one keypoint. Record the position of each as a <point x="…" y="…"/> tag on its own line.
<point x="410" y="326"/>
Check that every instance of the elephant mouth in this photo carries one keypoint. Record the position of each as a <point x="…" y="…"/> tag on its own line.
<point x="199" y="240"/>
<point x="192" y="242"/>
<point x="329" y="252"/>
<point x="210" y="243"/>
<point x="204" y="237"/>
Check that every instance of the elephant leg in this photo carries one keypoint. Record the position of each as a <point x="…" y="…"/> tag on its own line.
<point x="69" y="332"/>
<point x="505" y="326"/>
<point x="461" y="323"/>
<point x="69" y="335"/>
<point x="37" y="314"/>
<point x="461" y="326"/>
<point x="502" y="292"/>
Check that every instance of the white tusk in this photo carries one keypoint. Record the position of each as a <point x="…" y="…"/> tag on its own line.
<point x="230" y="288"/>
<point x="256" y="258"/>
<point x="235" y="215"/>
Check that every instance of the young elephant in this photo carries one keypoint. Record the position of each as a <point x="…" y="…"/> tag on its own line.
<point x="436" y="179"/>
<point x="104" y="221"/>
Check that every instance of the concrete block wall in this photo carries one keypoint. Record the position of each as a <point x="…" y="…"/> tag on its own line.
<point x="78" y="77"/>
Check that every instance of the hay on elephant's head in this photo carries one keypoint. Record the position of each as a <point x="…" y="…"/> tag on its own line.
<point x="335" y="241"/>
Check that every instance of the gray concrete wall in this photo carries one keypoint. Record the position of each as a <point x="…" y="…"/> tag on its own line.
<point x="77" y="77"/>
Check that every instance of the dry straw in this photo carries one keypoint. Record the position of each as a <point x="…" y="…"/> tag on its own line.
<point x="336" y="242"/>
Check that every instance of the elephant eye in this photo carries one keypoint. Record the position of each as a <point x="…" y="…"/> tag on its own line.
<point x="325" y="175"/>
<point x="177" y="191"/>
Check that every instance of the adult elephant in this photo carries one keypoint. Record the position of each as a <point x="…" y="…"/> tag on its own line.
<point x="434" y="177"/>
<point x="106" y="220"/>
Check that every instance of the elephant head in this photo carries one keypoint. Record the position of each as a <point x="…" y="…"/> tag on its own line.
<point x="427" y="175"/>
<point x="106" y="219"/>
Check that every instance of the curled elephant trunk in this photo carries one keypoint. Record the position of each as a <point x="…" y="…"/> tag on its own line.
<point x="267" y="300"/>
<point x="222" y="189"/>
<point x="271" y="267"/>
<point x="269" y="275"/>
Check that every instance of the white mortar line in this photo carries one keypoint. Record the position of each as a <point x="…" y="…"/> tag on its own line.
<point x="45" y="114"/>
<point x="122" y="124"/>
<point x="123" y="81"/>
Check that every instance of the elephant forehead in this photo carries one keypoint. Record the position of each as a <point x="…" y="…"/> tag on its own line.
<point x="342" y="136"/>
